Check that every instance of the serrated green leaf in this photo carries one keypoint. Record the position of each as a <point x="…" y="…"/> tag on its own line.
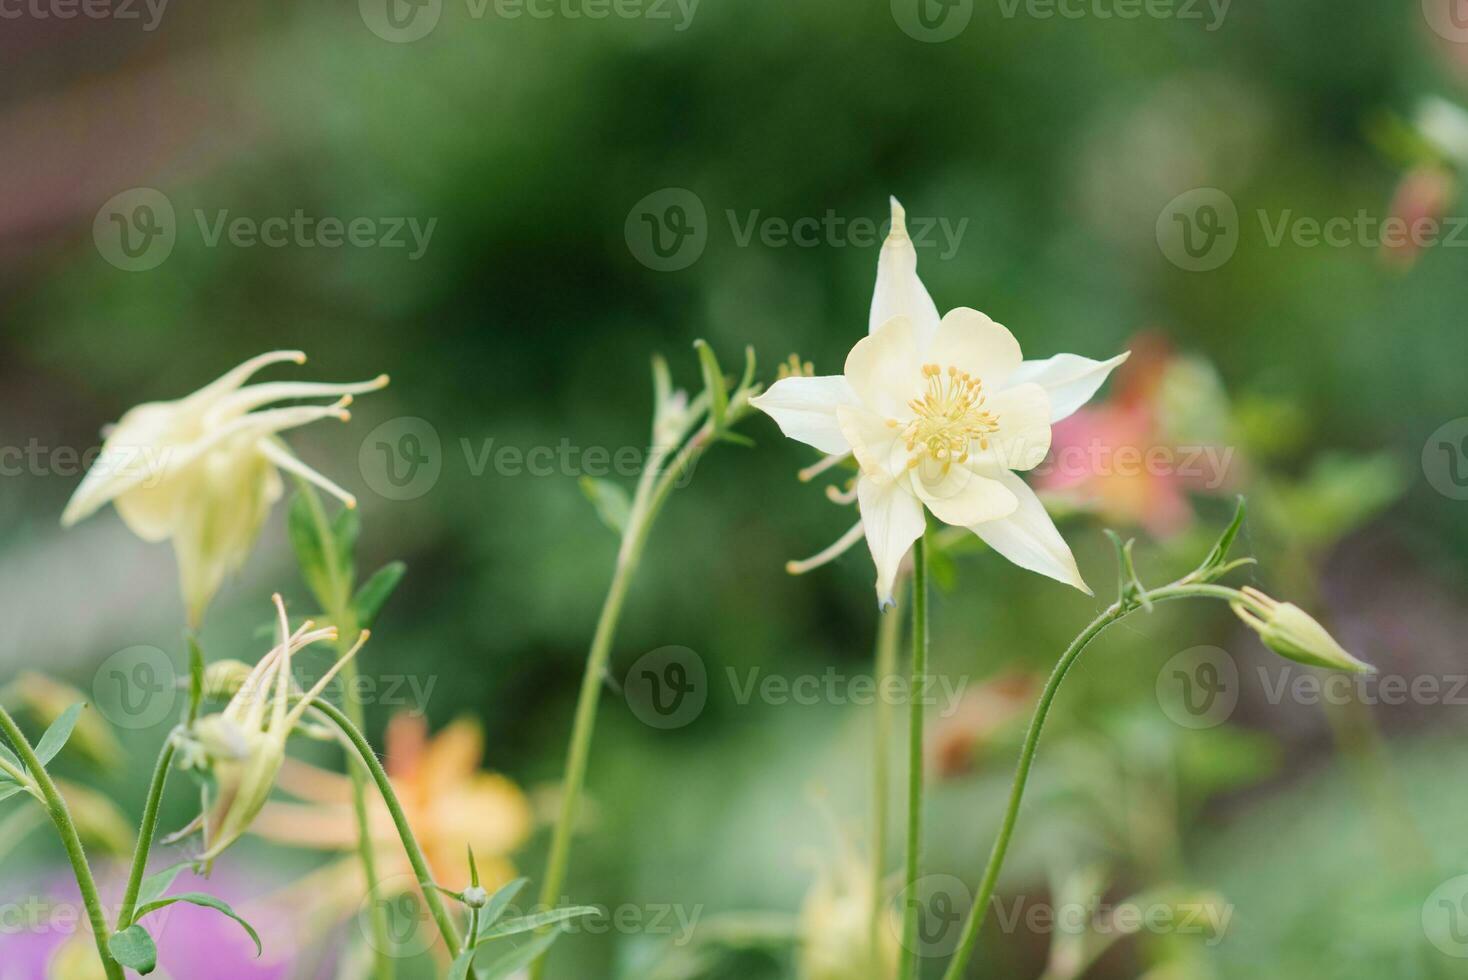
<point x="611" y="502"/>
<point x="714" y="383"/>
<point x="203" y="901"/>
<point x="498" y="902"/>
<point x="60" y="730"/>
<point x="134" y="949"/>
<point x="311" y="552"/>
<point x="154" y="886"/>
<point x="375" y="592"/>
<point x="539" y="920"/>
<point x="513" y="961"/>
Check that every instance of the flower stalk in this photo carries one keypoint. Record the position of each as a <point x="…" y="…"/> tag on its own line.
<point x="1187" y="588"/>
<point x="915" y="754"/>
<point x="889" y="630"/>
<point x="61" y="817"/>
<point x="672" y="422"/>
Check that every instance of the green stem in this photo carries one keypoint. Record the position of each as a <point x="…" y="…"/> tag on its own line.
<point x="342" y="613"/>
<point x="436" y="907"/>
<point x="61" y="817"/>
<point x="915" y="693"/>
<point x="889" y="630"/>
<point x="146" y="831"/>
<point x="1110" y="615"/>
<point x="653" y="488"/>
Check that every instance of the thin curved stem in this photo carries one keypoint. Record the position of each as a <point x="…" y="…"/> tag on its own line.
<point x="990" y="880"/>
<point x="61" y="817"/>
<point x="916" y="692"/>
<point x="146" y="831"/>
<point x="436" y="907"/>
<point x="653" y="489"/>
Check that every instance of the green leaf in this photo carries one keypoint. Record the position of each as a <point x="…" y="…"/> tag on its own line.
<point x="497" y="904"/>
<point x="346" y="527"/>
<point x="713" y="382"/>
<point x="58" y="733"/>
<point x="459" y="968"/>
<point x="1130" y="593"/>
<point x="610" y="500"/>
<point x="662" y="383"/>
<point x="375" y="592"/>
<point x="744" y="382"/>
<point x="517" y="959"/>
<point x="10" y="756"/>
<point x="528" y="923"/>
<point x="9" y="788"/>
<point x="154" y="886"/>
<point x="204" y="901"/>
<point x="134" y="949"/>
<point x="311" y="552"/>
<point x="1219" y="551"/>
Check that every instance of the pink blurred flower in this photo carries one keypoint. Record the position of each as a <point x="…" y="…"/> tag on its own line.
<point x="1126" y="459"/>
<point x="1422" y="198"/>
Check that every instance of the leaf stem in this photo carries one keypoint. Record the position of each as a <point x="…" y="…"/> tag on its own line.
<point x="146" y="832"/>
<point x="436" y="907"/>
<point x="889" y="630"/>
<point x="61" y="817"/>
<point x="1113" y="613"/>
<point x="657" y="482"/>
<point x="915" y="693"/>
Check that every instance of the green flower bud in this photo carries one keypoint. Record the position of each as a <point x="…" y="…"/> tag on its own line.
<point x="1294" y="634"/>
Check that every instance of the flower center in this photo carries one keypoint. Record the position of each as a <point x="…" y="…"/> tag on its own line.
<point x="950" y="416"/>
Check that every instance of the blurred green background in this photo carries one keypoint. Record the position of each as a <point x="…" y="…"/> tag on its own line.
<point x="1055" y="143"/>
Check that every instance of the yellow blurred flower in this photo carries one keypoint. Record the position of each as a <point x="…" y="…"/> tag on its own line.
<point x="202" y="471"/>
<point x="449" y="802"/>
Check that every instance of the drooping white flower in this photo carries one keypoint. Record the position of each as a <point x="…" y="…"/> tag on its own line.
<point x="203" y="470"/>
<point x="243" y="746"/>
<point x="939" y="414"/>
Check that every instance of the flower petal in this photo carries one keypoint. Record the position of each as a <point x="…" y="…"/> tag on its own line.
<point x="876" y="445"/>
<point x="962" y="497"/>
<point x="970" y="341"/>
<point x="805" y="409"/>
<point x="893" y="519"/>
<point x="899" y="291"/>
<point x="1070" y="379"/>
<point x="884" y="370"/>
<point x="1023" y="439"/>
<point x="1028" y="537"/>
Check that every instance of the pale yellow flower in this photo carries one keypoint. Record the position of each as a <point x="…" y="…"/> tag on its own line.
<point x="939" y="414"/>
<point x="203" y="471"/>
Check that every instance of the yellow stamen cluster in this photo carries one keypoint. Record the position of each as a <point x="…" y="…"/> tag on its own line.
<point x="794" y="367"/>
<point x="950" y="417"/>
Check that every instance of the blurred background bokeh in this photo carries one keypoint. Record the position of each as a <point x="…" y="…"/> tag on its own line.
<point x="1094" y="181"/>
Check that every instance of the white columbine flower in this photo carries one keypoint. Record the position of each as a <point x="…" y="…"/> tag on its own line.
<point x="939" y="413"/>
<point x="203" y="470"/>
